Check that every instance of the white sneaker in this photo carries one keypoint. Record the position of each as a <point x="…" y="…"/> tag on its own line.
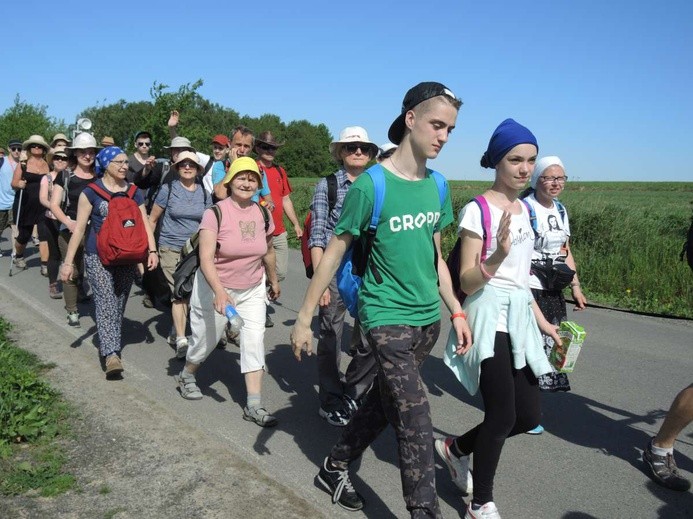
<point x="458" y="467"/>
<point x="487" y="511"/>
<point x="181" y="347"/>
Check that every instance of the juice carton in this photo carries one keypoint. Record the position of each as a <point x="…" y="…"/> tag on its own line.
<point x="563" y="357"/>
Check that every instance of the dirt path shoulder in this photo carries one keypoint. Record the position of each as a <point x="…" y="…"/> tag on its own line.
<point x="131" y="457"/>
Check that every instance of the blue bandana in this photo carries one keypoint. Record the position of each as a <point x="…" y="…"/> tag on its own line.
<point x="104" y="158"/>
<point x="508" y="135"/>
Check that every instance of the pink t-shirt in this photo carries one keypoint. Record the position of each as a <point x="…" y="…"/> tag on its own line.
<point x="242" y="243"/>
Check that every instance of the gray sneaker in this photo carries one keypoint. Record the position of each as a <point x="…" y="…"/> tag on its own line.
<point x="260" y="416"/>
<point x="188" y="386"/>
<point x="20" y="263"/>
<point x="663" y="470"/>
<point x="181" y="347"/>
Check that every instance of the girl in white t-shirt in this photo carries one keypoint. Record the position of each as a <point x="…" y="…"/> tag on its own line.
<point x="507" y="355"/>
<point x="551" y="242"/>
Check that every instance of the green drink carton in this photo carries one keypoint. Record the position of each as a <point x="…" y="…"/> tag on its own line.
<point x="563" y="357"/>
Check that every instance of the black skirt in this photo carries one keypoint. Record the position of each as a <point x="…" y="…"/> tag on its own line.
<point x="552" y="305"/>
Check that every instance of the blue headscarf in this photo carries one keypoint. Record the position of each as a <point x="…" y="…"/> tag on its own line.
<point x="104" y="158"/>
<point x="508" y="135"/>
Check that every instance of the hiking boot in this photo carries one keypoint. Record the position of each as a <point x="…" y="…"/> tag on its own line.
<point x="147" y="301"/>
<point x="260" y="416"/>
<point x="188" y="386"/>
<point x="20" y="262"/>
<point x="338" y="418"/>
<point x="458" y="467"/>
<point x="181" y="347"/>
<point x="73" y="319"/>
<point x="663" y="470"/>
<point x="54" y="292"/>
<point x="114" y="366"/>
<point x="337" y="483"/>
<point x="268" y="322"/>
<point x="485" y="511"/>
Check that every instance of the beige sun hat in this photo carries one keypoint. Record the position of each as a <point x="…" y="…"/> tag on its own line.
<point x="36" y="139"/>
<point x="59" y="137"/>
<point x="188" y="155"/>
<point x="351" y="134"/>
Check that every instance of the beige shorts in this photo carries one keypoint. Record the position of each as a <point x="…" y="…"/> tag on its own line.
<point x="168" y="259"/>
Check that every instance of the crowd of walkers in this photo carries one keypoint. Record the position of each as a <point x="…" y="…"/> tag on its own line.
<point x="504" y="316"/>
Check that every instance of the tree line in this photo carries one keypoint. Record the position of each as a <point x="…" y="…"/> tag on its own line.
<point x="305" y="154"/>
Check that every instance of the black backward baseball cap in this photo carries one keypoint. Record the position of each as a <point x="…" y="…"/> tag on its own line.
<point x="414" y="96"/>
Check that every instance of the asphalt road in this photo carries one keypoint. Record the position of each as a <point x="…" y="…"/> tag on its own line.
<point x="586" y="465"/>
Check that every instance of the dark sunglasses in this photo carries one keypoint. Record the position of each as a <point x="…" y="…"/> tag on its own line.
<point x="142" y="144"/>
<point x="365" y="148"/>
<point x="59" y="158"/>
<point x="16" y="148"/>
<point x="36" y="146"/>
<point x="266" y="147"/>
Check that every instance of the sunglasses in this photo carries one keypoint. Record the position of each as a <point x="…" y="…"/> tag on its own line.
<point x="59" y="158"/>
<point x="266" y="147"/>
<point x="187" y="165"/>
<point x="143" y="144"/>
<point x="16" y="148"/>
<point x="36" y="146"/>
<point x="351" y="148"/>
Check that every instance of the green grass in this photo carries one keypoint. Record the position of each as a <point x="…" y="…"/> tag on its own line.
<point x="33" y="418"/>
<point x="626" y="238"/>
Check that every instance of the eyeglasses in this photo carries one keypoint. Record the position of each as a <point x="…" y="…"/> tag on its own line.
<point x="16" y="148"/>
<point x="187" y="165"/>
<point x="120" y="163"/>
<point x="266" y="147"/>
<point x="60" y="158"/>
<point x="36" y="146"/>
<point x="551" y="180"/>
<point x="351" y="148"/>
<point x="143" y="144"/>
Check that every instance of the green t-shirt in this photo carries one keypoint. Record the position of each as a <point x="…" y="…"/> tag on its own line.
<point x="403" y="250"/>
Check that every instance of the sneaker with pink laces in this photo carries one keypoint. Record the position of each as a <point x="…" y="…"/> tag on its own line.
<point x="458" y="467"/>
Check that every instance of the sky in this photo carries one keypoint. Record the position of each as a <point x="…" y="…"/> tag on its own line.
<point x="605" y="85"/>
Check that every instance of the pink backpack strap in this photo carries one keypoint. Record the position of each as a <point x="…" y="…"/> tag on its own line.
<point x="485" y="224"/>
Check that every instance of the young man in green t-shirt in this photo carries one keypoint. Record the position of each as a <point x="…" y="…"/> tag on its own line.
<point x="398" y="301"/>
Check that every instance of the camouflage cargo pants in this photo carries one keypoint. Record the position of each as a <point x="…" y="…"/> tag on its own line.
<point x="398" y="398"/>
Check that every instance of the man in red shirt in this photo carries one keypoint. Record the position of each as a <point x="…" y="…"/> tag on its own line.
<point x="266" y="147"/>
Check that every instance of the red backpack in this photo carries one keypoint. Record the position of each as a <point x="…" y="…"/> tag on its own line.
<point x="308" y="223"/>
<point x="122" y="239"/>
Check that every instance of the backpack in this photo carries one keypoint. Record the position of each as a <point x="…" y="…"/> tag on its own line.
<point x="65" y="201"/>
<point x="308" y="224"/>
<point x="533" y="214"/>
<point x="687" y="249"/>
<point x="453" y="260"/>
<point x="353" y="267"/>
<point x="122" y="239"/>
<point x="189" y="261"/>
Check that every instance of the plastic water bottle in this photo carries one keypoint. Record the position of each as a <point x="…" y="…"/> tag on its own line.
<point x="235" y="320"/>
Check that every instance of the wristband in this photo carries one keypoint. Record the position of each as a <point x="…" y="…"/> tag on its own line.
<point x="153" y="252"/>
<point x="484" y="272"/>
<point x="458" y="314"/>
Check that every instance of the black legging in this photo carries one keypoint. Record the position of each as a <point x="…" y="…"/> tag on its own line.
<point x="511" y="401"/>
<point x="49" y="229"/>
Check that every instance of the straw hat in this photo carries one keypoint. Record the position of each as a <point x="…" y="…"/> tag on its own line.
<point x="59" y="137"/>
<point x="107" y="141"/>
<point x="36" y="139"/>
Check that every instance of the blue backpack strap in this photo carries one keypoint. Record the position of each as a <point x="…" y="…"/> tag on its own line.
<point x="442" y="184"/>
<point x="378" y="177"/>
<point x="561" y="209"/>
<point x="532" y="216"/>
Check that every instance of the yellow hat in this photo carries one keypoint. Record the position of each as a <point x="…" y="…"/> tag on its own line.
<point x="240" y="165"/>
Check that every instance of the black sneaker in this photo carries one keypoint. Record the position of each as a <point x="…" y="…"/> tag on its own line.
<point x="338" y="418"/>
<point x="350" y="406"/>
<point x="268" y="322"/>
<point x="337" y="483"/>
<point x="663" y="470"/>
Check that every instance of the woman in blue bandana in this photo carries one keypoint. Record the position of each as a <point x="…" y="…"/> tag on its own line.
<point x="507" y="355"/>
<point x="111" y="284"/>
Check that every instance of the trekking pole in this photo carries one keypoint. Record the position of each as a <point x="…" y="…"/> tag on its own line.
<point x="14" y="248"/>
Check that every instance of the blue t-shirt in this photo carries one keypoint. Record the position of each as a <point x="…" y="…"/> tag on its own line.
<point x="99" y="211"/>
<point x="182" y="212"/>
<point x="6" y="190"/>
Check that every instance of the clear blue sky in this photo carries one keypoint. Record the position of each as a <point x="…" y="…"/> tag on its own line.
<point x="606" y="85"/>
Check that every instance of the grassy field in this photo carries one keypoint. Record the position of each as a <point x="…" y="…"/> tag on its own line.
<point x="626" y="238"/>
